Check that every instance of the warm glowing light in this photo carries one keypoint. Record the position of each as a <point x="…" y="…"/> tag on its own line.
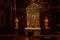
<point x="16" y="23"/>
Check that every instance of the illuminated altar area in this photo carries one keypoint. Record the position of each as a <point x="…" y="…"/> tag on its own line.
<point x="33" y="23"/>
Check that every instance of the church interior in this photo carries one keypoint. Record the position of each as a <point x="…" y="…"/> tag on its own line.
<point x="29" y="20"/>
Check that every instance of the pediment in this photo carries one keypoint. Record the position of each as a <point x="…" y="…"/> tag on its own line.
<point x="33" y="6"/>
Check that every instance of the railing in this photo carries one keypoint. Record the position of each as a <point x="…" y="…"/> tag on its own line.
<point x="7" y="37"/>
<point x="41" y="37"/>
<point x="15" y="37"/>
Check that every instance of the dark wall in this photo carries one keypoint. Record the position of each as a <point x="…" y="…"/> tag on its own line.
<point x="55" y="20"/>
